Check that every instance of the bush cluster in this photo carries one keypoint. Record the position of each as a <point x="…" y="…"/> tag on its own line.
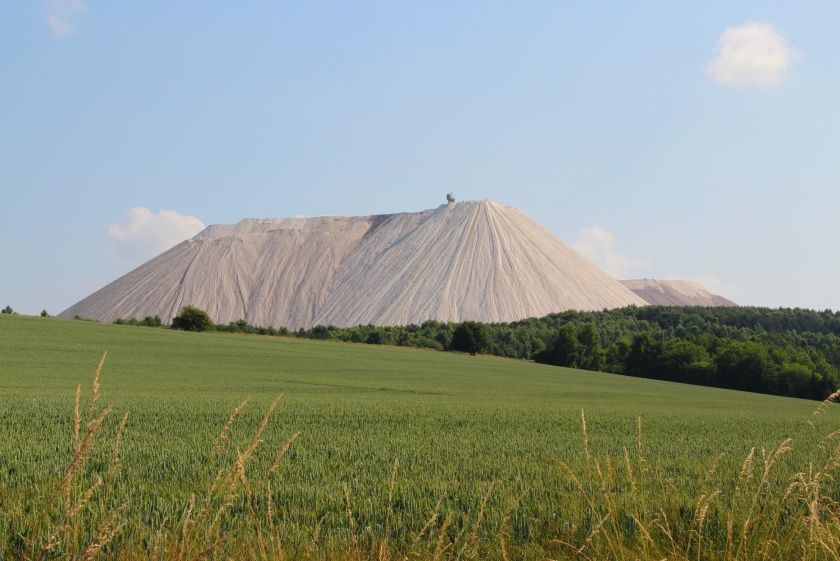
<point x="148" y="321"/>
<point x="192" y="319"/>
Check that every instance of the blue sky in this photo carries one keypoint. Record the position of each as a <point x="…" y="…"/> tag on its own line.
<point x="661" y="139"/>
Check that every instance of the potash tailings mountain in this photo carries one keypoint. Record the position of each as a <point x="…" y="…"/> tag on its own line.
<point x="474" y="260"/>
<point x="674" y="293"/>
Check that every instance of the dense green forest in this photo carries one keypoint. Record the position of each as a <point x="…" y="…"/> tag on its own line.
<point x="791" y="352"/>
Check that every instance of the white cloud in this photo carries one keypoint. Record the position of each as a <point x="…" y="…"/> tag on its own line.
<point x="63" y="16"/>
<point x="751" y="55"/>
<point x="711" y="283"/>
<point x="598" y="245"/>
<point x="143" y="234"/>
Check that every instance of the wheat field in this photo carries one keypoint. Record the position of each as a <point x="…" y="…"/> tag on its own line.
<point x="220" y="446"/>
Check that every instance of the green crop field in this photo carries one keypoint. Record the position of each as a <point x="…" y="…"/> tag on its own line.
<point x="459" y="429"/>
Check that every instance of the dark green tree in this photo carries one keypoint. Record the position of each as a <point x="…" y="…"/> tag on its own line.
<point x="192" y="319"/>
<point x="471" y="337"/>
<point x="375" y="337"/>
<point x="745" y="365"/>
<point x="798" y="380"/>
<point x="320" y="332"/>
<point x="566" y="348"/>
<point x="44" y="314"/>
<point x="617" y="354"/>
<point x="7" y="310"/>
<point x="685" y="361"/>
<point x="590" y="351"/>
<point x="644" y="357"/>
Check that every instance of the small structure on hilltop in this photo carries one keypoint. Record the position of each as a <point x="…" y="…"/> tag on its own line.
<point x="450" y="199"/>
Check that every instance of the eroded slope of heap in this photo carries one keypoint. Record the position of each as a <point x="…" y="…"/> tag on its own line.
<point x="473" y="260"/>
<point x="675" y="293"/>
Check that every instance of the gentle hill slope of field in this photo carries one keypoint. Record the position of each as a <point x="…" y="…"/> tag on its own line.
<point x="57" y="354"/>
<point x="459" y="429"/>
<point x="475" y="260"/>
<point x="674" y="293"/>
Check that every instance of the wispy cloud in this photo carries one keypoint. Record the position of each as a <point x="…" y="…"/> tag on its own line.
<point x="143" y="234"/>
<point x="598" y="245"/>
<point x="751" y="55"/>
<point x="63" y="16"/>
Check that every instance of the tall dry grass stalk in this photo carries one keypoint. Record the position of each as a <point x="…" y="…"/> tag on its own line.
<point x="222" y="439"/>
<point x="94" y="387"/>
<point x="746" y="520"/>
<point x="116" y="447"/>
<point x="763" y="509"/>
<point x="282" y="452"/>
<point x="77" y="417"/>
<point x="68" y="528"/>
<point x="585" y="436"/>
<point x="821" y="408"/>
<point x="64" y="527"/>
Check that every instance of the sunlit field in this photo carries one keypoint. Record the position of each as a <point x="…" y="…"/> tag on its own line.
<point x="400" y="453"/>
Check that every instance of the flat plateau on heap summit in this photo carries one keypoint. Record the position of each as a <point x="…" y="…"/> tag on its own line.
<point x="473" y="260"/>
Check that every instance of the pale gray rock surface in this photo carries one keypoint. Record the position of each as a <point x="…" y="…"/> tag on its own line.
<point x="474" y="260"/>
<point x="675" y="293"/>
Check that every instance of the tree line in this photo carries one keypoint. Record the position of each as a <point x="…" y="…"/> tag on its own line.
<point x="791" y="352"/>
